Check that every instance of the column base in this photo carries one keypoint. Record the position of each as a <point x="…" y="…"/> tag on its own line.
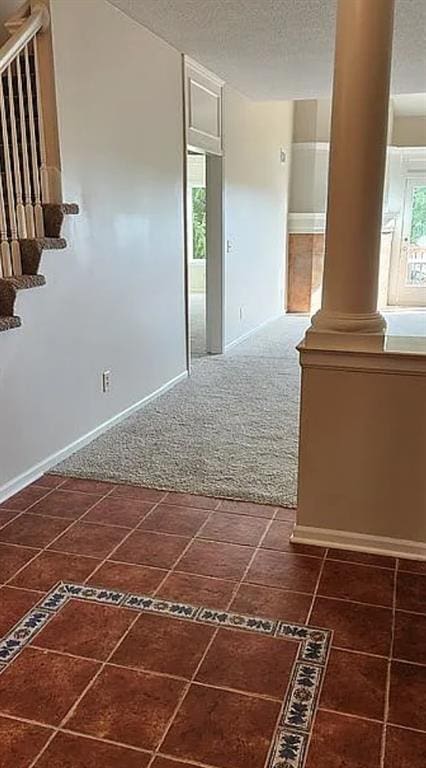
<point x="338" y="330"/>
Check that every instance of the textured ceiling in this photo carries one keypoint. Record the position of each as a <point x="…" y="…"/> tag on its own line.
<point x="276" y="49"/>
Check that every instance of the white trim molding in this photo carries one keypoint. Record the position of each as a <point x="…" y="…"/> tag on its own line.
<point x="252" y="331"/>
<point x="32" y="474"/>
<point x="306" y="223"/>
<point x="203" y="107"/>
<point x="320" y="146"/>
<point x="310" y="223"/>
<point x="359" y="542"/>
<point x="397" y="355"/>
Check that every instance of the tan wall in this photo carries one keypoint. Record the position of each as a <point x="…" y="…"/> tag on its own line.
<point x="364" y="452"/>
<point x="8" y="8"/>
<point x="409" y="131"/>
<point x="312" y="119"/>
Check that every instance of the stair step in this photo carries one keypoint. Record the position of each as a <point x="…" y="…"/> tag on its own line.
<point x="24" y="282"/>
<point x="52" y="243"/>
<point x="54" y="214"/>
<point x="7" y="323"/>
<point x="70" y="209"/>
<point x="48" y="243"/>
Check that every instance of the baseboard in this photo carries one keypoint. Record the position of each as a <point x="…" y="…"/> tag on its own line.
<point x="247" y="335"/>
<point x="32" y="474"/>
<point x="359" y="542"/>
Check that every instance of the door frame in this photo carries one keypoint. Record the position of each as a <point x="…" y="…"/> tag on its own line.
<point x="202" y="132"/>
<point x="215" y="266"/>
<point x="215" y="250"/>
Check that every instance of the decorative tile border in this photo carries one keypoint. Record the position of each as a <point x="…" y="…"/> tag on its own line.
<point x="290" y="744"/>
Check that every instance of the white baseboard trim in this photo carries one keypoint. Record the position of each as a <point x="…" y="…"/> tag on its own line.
<point x="247" y="335"/>
<point x="32" y="474"/>
<point x="360" y="542"/>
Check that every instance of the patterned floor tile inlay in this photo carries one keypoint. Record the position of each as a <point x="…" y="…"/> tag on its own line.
<point x="290" y="742"/>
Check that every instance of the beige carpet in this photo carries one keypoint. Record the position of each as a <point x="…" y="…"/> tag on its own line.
<point x="231" y="430"/>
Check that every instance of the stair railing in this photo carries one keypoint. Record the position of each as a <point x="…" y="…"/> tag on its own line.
<point x="23" y="185"/>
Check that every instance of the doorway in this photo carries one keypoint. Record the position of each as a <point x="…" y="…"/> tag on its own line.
<point x="196" y="207"/>
<point x="410" y="278"/>
<point x="204" y="254"/>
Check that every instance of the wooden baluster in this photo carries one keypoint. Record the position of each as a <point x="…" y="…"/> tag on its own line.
<point x="29" y="211"/>
<point x="15" y="251"/>
<point x="38" y="210"/>
<point x="44" y="177"/>
<point x="5" y="260"/>
<point x="20" y="209"/>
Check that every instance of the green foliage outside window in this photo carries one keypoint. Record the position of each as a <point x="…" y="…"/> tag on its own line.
<point x="418" y="220"/>
<point x="199" y="222"/>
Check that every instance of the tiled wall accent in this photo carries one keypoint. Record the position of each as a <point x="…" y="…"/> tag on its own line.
<point x="305" y="264"/>
<point x="305" y="268"/>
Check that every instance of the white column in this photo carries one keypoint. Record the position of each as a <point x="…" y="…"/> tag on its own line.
<point x="356" y="174"/>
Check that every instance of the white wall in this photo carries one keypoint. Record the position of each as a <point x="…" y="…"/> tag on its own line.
<point x="256" y="195"/>
<point x="114" y="299"/>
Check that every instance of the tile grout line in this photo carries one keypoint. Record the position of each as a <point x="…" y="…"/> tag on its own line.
<point x="47" y="546"/>
<point x="90" y="737"/>
<point x="308" y="619"/>
<point x="292" y="671"/>
<point x="238" y="584"/>
<point x="154" y="672"/>
<point x="21" y="512"/>
<point x="91" y="682"/>
<point x="33" y="503"/>
<point x="251" y="561"/>
<point x="172" y="570"/>
<point x="209" y="644"/>
<point x="108" y="556"/>
<point x="389" y="671"/>
<point x="315" y="593"/>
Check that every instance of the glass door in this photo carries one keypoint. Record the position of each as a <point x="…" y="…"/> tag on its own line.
<point x="411" y="288"/>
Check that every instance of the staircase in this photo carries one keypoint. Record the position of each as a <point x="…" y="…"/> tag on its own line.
<point x="31" y="213"/>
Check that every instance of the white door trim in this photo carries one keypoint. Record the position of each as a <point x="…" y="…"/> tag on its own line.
<point x="215" y="268"/>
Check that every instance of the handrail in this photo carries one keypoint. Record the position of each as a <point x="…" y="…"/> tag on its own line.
<point x="38" y="19"/>
<point x="24" y="183"/>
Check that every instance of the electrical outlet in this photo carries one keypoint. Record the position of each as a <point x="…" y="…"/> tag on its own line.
<point x="106" y="381"/>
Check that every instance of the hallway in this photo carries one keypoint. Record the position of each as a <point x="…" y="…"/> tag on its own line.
<point x="230" y="430"/>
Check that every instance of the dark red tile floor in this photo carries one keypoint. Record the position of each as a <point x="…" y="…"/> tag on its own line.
<point x="102" y="685"/>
